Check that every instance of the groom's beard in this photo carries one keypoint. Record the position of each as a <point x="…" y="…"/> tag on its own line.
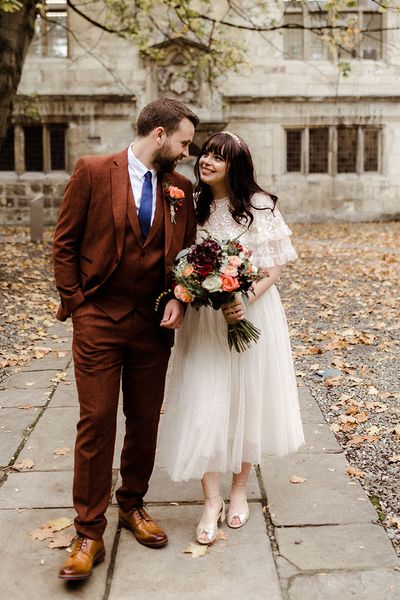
<point x="164" y="161"/>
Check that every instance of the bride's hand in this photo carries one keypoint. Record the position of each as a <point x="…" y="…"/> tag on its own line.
<point x="234" y="311"/>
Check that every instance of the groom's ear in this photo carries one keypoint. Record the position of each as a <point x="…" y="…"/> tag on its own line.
<point x="159" y="135"/>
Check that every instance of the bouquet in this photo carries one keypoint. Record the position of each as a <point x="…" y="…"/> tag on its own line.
<point x="212" y="273"/>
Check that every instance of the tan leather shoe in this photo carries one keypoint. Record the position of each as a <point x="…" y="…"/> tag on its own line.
<point x="145" y="530"/>
<point x="85" y="554"/>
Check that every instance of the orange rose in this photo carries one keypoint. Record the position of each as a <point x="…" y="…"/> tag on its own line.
<point x="188" y="270"/>
<point x="229" y="284"/>
<point x="176" y="192"/>
<point x="182" y="294"/>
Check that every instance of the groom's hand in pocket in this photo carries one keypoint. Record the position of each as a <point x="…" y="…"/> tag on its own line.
<point x="173" y="315"/>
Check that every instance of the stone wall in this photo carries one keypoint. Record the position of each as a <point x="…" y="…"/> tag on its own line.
<point x="99" y="94"/>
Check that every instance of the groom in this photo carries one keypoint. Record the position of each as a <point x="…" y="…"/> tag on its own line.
<point x="119" y="230"/>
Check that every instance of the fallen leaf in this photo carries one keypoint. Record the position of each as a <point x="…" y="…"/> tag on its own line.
<point x="41" y="533"/>
<point x="297" y="479"/>
<point x="59" y="524"/>
<point x="354" y="472"/>
<point x="62" y="451"/>
<point x="395" y="458"/>
<point x="24" y="465"/>
<point x="394" y="522"/>
<point x="372" y="390"/>
<point x="62" y="540"/>
<point x="196" y="550"/>
<point x="24" y="406"/>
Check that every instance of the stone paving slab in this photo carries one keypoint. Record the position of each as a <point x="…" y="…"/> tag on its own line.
<point x="356" y="546"/>
<point x="379" y="584"/>
<point x="13" y="425"/>
<point x="61" y="329"/>
<point x="310" y="411"/>
<point x="328" y="496"/>
<point x="65" y="395"/>
<point x="319" y="439"/>
<point x="30" y="568"/>
<point x="32" y="379"/>
<point x="57" y="429"/>
<point x="241" y="567"/>
<point x="42" y="489"/>
<point x="49" y="362"/>
<point x="162" y="489"/>
<point x="11" y="398"/>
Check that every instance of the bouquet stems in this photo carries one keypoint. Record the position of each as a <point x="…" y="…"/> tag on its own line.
<point x="242" y="334"/>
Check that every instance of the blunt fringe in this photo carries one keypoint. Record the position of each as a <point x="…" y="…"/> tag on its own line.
<point x="240" y="179"/>
<point x="164" y="112"/>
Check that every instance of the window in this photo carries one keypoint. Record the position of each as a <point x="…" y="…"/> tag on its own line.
<point x="347" y="149"/>
<point x="293" y="150"/>
<point x="57" y="147"/>
<point x="361" y="36"/>
<point x="51" y="33"/>
<point x="356" y="149"/>
<point x="33" y="151"/>
<point x="7" y="155"/>
<point x="371" y="149"/>
<point x="318" y="150"/>
<point x="41" y="148"/>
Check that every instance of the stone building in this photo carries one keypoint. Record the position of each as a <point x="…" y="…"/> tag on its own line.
<point x="327" y="145"/>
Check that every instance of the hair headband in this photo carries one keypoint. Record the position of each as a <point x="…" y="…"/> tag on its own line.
<point x="235" y="137"/>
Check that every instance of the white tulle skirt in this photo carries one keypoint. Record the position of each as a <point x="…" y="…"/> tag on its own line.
<point x="223" y="408"/>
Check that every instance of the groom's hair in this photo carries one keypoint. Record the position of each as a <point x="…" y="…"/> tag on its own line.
<point x="164" y="112"/>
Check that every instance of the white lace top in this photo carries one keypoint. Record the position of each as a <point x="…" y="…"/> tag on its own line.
<point x="268" y="236"/>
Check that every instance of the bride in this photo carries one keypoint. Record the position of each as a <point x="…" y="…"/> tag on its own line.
<point x="225" y="410"/>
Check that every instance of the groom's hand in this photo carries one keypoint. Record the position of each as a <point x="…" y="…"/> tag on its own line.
<point x="173" y="315"/>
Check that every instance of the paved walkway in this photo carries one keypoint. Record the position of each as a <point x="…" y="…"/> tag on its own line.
<point x="315" y="540"/>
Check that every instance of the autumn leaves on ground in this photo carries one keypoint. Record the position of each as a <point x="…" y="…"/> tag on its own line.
<point x="341" y="299"/>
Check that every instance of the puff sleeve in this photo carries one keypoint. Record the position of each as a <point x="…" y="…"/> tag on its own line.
<point x="268" y="235"/>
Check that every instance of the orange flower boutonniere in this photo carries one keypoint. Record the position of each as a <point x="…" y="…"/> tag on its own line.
<point x="175" y="198"/>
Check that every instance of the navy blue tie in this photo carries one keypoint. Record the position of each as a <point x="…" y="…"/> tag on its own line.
<point x="146" y="205"/>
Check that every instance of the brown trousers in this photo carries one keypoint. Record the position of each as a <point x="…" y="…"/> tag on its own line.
<point x="103" y="349"/>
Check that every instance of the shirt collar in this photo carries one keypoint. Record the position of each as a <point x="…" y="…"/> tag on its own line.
<point x="137" y="166"/>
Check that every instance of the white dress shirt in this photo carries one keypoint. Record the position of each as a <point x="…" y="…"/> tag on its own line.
<point x="137" y="171"/>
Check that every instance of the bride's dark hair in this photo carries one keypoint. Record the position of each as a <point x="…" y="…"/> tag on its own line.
<point x="240" y="179"/>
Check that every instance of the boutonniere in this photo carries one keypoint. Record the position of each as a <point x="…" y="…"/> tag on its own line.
<point x="175" y="197"/>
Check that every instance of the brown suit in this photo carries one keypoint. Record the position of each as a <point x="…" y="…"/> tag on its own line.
<point x="108" y="280"/>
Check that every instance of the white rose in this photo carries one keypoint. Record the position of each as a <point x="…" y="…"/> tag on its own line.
<point x="212" y="283"/>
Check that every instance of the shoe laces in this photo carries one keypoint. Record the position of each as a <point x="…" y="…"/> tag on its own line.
<point x="142" y="513"/>
<point x="80" y="544"/>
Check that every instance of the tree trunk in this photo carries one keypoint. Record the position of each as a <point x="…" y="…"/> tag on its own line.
<point x="16" y="32"/>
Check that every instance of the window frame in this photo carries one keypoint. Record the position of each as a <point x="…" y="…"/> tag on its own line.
<point x="332" y="54"/>
<point x="19" y="148"/>
<point x="43" y="38"/>
<point x="332" y="170"/>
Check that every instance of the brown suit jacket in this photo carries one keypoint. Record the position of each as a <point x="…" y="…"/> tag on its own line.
<point x="90" y="231"/>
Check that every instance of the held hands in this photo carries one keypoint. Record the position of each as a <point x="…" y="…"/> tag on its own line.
<point x="173" y="315"/>
<point x="234" y="311"/>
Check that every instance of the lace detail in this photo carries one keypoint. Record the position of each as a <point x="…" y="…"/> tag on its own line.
<point x="268" y="236"/>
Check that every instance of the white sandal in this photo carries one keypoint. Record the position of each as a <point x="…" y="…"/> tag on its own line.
<point x="211" y="531"/>
<point x="243" y="517"/>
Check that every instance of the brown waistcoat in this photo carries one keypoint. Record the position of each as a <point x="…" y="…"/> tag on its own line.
<point x="139" y="278"/>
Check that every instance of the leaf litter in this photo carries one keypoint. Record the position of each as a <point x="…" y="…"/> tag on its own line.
<point x="341" y="300"/>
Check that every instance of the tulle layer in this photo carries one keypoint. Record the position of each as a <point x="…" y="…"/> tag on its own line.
<point x="223" y="408"/>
